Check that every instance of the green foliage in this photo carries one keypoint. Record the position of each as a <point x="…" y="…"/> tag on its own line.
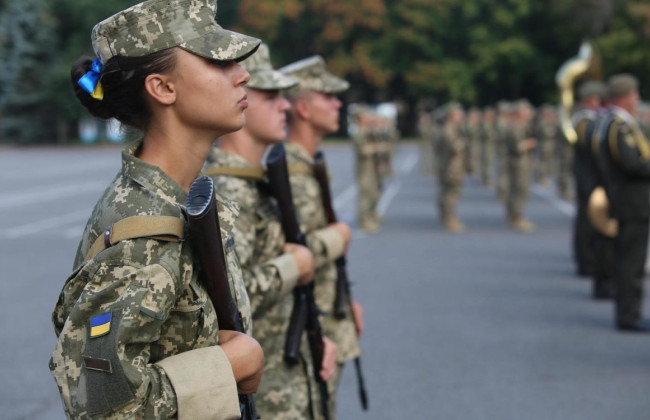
<point x="26" y="34"/>
<point x="474" y="51"/>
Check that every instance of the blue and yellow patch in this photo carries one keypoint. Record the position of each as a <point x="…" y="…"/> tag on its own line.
<point x="100" y="325"/>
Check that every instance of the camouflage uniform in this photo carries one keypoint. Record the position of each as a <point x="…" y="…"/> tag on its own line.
<point x="137" y="332"/>
<point x="518" y="171"/>
<point x="326" y="245"/>
<point x="425" y="132"/>
<point x="368" y="176"/>
<point x="163" y="327"/>
<point x="472" y="133"/>
<point x="451" y="170"/>
<point x="548" y="133"/>
<point x="488" y="139"/>
<point x="502" y="126"/>
<point x="286" y="392"/>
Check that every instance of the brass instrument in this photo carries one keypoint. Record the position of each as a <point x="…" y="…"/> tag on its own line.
<point x="585" y="64"/>
<point x="598" y="213"/>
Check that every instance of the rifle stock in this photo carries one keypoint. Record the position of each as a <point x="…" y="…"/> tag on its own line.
<point x="304" y="315"/>
<point x="343" y="293"/>
<point x="205" y="235"/>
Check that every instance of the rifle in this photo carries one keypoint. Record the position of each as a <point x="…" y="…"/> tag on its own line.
<point x="205" y="235"/>
<point x="343" y="291"/>
<point x="304" y="315"/>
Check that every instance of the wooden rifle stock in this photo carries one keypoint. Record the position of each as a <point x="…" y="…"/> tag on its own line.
<point x="343" y="293"/>
<point x="304" y="315"/>
<point x="207" y="245"/>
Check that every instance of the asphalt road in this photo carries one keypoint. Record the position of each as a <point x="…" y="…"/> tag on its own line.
<point x="491" y="324"/>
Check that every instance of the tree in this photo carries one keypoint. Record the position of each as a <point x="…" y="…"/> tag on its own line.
<point x="26" y="35"/>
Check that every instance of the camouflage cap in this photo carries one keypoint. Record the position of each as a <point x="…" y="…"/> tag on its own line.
<point x="621" y="84"/>
<point x="591" y="88"/>
<point x="312" y="75"/>
<point x="156" y="25"/>
<point x="263" y="76"/>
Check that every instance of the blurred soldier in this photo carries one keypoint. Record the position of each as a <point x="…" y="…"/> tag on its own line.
<point x="548" y="131"/>
<point x="271" y="267"/>
<point x="626" y="169"/>
<point x="644" y="118"/>
<point x="472" y="133"/>
<point x="488" y="139"/>
<point x="503" y="124"/>
<point x="425" y="133"/>
<point x="449" y="150"/>
<point x="368" y="176"/>
<point x="564" y="155"/>
<point x="585" y="171"/>
<point x="519" y="144"/>
<point x="315" y="113"/>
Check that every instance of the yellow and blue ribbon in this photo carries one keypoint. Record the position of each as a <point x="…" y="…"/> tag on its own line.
<point x="90" y="81"/>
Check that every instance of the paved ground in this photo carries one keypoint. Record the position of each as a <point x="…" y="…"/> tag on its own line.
<point x="491" y="324"/>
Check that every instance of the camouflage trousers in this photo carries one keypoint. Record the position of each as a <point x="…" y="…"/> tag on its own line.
<point x="487" y="164"/>
<point x="369" y="192"/>
<point x="519" y="175"/>
<point x="545" y="166"/>
<point x="565" y="171"/>
<point x="448" y="196"/>
<point x="502" y="178"/>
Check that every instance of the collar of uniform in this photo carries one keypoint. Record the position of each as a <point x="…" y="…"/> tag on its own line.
<point x="298" y="154"/>
<point x="220" y="157"/>
<point x="151" y="177"/>
<point x="623" y="114"/>
<point x="584" y="113"/>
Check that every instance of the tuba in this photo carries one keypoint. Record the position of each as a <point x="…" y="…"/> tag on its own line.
<point x="598" y="213"/>
<point x="585" y="64"/>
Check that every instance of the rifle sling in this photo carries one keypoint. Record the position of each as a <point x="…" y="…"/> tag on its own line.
<point x="163" y="228"/>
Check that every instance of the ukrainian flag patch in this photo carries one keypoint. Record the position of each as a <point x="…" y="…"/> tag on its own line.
<point x="100" y="325"/>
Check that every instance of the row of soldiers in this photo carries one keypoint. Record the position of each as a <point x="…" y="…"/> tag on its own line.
<point x="142" y="332"/>
<point x="375" y="138"/>
<point x="612" y="169"/>
<point x="494" y="145"/>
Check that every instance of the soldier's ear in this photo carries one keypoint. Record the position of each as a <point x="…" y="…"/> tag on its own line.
<point x="301" y="109"/>
<point x="160" y="88"/>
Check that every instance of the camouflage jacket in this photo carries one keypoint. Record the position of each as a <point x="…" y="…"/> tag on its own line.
<point x="134" y="323"/>
<point x="269" y="276"/>
<point x="326" y="245"/>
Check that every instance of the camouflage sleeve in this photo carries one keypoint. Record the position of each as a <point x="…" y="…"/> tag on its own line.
<point x="267" y="282"/>
<point x="103" y="359"/>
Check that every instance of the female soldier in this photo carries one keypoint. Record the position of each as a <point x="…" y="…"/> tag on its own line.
<point x="137" y="334"/>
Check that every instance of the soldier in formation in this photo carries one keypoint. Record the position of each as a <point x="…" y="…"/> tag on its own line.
<point x="548" y="134"/>
<point x="271" y="267"/>
<point x="587" y="178"/>
<point x="625" y="160"/>
<point x="487" y="146"/>
<point x="138" y="334"/>
<point x="315" y="113"/>
<point x="519" y="144"/>
<point x="450" y="164"/>
<point x="372" y="144"/>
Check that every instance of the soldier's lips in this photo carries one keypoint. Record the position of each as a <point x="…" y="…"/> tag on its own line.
<point x="243" y="102"/>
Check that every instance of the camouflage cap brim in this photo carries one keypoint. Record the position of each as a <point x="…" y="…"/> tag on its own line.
<point x="157" y="25"/>
<point x="271" y="80"/>
<point x="312" y="75"/>
<point x="222" y="45"/>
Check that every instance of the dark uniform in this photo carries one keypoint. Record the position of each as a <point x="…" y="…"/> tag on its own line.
<point x="626" y="169"/>
<point x="586" y="177"/>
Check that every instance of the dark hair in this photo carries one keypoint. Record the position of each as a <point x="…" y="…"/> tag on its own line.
<point x="122" y="79"/>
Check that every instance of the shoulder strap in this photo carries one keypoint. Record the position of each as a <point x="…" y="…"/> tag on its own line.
<point x="256" y="174"/>
<point x="164" y="228"/>
<point x="301" y="169"/>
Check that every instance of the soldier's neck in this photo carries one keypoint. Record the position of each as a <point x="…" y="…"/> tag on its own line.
<point x="306" y="136"/>
<point x="243" y="144"/>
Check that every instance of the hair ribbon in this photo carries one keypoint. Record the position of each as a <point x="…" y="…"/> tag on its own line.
<point x="90" y="81"/>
